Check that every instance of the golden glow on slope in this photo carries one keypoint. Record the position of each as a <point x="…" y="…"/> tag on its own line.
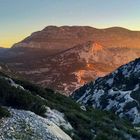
<point x="96" y="47"/>
<point x="80" y="75"/>
<point x="90" y="66"/>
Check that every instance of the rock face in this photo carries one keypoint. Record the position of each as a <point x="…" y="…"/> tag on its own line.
<point x="119" y="92"/>
<point x="58" y="118"/>
<point x="64" y="58"/>
<point x="27" y="125"/>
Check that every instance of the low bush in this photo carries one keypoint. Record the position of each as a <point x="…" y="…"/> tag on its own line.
<point x="4" y="112"/>
<point x="21" y="99"/>
<point x="92" y="124"/>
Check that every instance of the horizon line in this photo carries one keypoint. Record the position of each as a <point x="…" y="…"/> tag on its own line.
<point x="60" y="26"/>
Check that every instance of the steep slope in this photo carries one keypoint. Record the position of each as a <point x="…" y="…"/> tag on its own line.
<point x="64" y="58"/>
<point x="70" y="69"/>
<point x="119" y="92"/>
<point x="27" y="125"/>
<point x="37" y="113"/>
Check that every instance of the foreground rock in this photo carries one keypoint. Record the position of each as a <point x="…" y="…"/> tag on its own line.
<point x="25" y="125"/>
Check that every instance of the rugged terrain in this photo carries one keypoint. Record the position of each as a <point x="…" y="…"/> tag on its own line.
<point x="64" y="58"/>
<point x="118" y="92"/>
<point x="28" y="111"/>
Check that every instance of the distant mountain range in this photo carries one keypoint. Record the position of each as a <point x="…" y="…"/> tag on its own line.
<point x="64" y="58"/>
<point x="2" y="50"/>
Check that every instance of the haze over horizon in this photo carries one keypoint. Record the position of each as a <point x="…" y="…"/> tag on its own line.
<point x="20" y="18"/>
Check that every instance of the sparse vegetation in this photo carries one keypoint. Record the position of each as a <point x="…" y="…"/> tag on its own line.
<point x="92" y="124"/>
<point x="88" y="125"/>
<point x="4" y="112"/>
<point x="21" y="99"/>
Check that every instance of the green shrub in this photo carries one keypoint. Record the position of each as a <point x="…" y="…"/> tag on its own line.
<point x="4" y="112"/>
<point x="102" y="122"/>
<point x="102" y="136"/>
<point x="21" y="99"/>
<point x="130" y="105"/>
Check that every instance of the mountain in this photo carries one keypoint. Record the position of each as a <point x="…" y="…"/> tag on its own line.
<point x="30" y="112"/>
<point x="65" y="37"/>
<point x="64" y="58"/>
<point x="118" y="92"/>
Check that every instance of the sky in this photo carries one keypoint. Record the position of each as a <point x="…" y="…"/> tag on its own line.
<point x="19" y="18"/>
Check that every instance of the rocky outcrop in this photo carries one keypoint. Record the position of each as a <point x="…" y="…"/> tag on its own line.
<point x="118" y="92"/>
<point x="27" y="125"/>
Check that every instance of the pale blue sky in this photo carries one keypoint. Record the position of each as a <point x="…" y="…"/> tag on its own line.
<point x="19" y="18"/>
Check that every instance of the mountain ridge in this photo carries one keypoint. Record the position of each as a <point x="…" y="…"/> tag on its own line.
<point x="67" y="30"/>
<point x="73" y="55"/>
<point x="118" y="92"/>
